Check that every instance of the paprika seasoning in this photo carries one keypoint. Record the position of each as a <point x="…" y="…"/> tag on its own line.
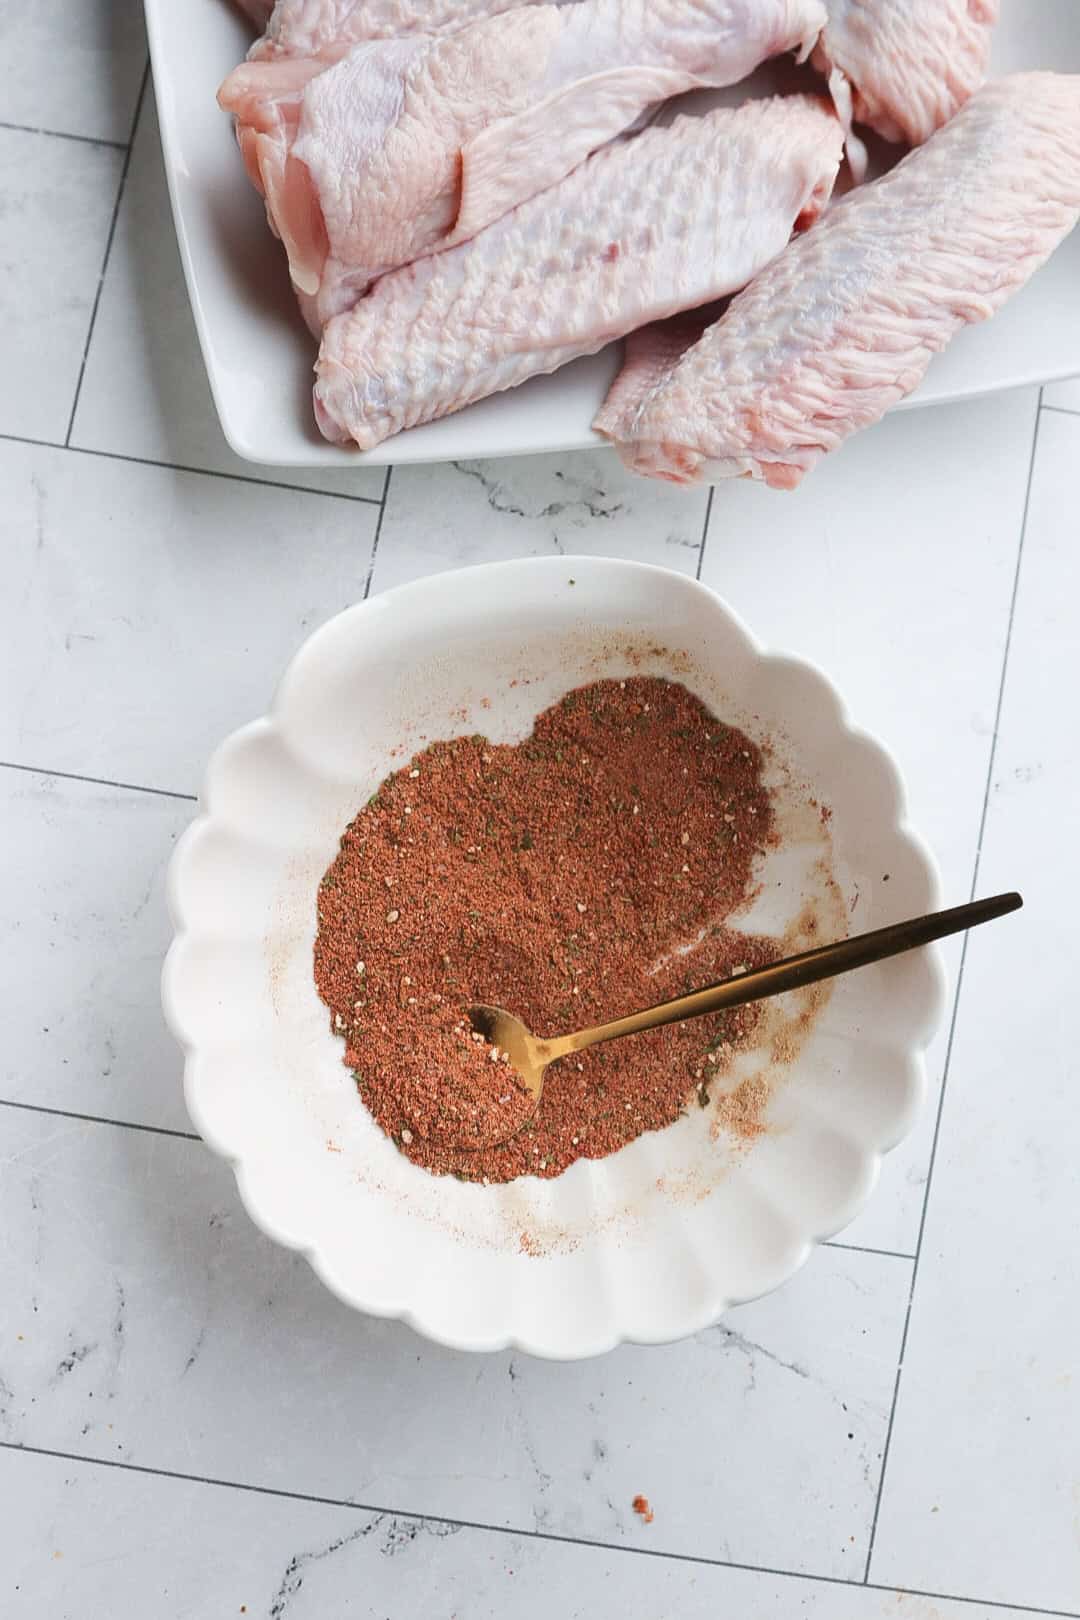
<point x="595" y="868"/>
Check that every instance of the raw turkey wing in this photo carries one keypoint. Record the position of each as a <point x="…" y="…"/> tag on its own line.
<point x="665" y="221"/>
<point x="844" y="323"/>
<point x="413" y="145"/>
<point x="905" y="66"/>
<point x="330" y="28"/>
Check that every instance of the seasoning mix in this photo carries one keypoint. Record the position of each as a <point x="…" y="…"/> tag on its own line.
<point x="591" y="870"/>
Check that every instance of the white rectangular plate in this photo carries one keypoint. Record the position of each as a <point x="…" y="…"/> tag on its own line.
<point x="259" y="354"/>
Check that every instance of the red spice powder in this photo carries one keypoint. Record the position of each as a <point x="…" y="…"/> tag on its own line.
<point x="586" y="872"/>
<point x="640" y="1505"/>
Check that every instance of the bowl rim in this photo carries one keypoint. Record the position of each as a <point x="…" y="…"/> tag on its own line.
<point x="398" y="598"/>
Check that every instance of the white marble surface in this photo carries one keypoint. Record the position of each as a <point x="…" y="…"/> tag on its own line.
<point x="57" y="203"/>
<point x="145" y="391"/>
<point x="189" y="1424"/>
<point x="148" y="612"/>
<point x="203" y="1551"/>
<point x="73" y="69"/>
<point x="1063" y="396"/>
<point x="127" y="1252"/>
<point x="995" y="1311"/>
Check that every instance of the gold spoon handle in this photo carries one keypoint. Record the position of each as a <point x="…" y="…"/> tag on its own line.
<point x="795" y="971"/>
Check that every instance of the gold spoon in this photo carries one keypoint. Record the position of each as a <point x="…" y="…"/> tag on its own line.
<point x="530" y="1056"/>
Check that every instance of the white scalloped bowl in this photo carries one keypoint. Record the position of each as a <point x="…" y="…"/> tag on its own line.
<point x="656" y="1241"/>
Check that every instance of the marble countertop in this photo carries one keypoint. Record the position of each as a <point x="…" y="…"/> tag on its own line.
<point x="189" y="1424"/>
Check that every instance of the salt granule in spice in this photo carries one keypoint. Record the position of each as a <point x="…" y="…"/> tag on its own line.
<point x="591" y="870"/>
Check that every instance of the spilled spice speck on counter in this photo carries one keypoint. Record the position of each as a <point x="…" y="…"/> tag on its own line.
<point x="591" y="870"/>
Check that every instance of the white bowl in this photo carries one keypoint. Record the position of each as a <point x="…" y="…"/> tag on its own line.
<point x="656" y="1241"/>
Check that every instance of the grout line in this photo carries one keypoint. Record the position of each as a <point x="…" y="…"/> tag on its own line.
<point x="98" y="781"/>
<point x="108" y="248"/>
<point x="378" y="534"/>
<point x="64" y="135"/>
<point x="959" y="988"/>
<point x="281" y="1494"/>
<point x="705" y="531"/>
<point x="1060" y="410"/>
<point x="98" y="1119"/>
<point x="862" y="1248"/>
<point x="183" y="467"/>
